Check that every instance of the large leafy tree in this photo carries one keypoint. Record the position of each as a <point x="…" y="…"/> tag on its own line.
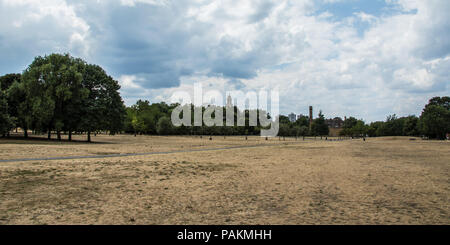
<point x="103" y="109"/>
<point x="435" y="118"/>
<point x="51" y="84"/>
<point x="62" y="93"/>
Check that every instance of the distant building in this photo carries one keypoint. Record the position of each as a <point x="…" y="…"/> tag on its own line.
<point x="229" y="101"/>
<point x="292" y="117"/>
<point x="336" y="122"/>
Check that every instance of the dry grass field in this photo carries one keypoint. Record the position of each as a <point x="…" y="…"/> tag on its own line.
<point x="379" y="181"/>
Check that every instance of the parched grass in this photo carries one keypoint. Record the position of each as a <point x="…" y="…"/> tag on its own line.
<point x="380" y="181"/>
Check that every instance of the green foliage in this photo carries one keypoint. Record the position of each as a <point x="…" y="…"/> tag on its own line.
<point x="435" y="118"/>
<point x="350" y="122"/>
<point x="103" y="108"/>
<point x="10" y="85"/>
<point x="434" y="122"/>
<point x="319" y="126"/>
<point x="50" y="83"/>
<point x="145" y="118"/>
<point x="6" y="122"/>
<point x="284" y="129"/>
<point x="360" y="129"/>
<point x="62" y="93"/>
<point x="373" y="128"/>
<point x="302" y="121"/>
<point x="7" y="80"/>
<point x="164" y="126"/>
<point x="411" y="126"/>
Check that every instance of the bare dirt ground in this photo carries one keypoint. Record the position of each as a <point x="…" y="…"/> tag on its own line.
<point x="380" y="181"/>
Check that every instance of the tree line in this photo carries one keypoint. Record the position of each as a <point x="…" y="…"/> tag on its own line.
<point x="434" y="122"/>
<point x="146" y="118"/>
<point x="62" y="94"/>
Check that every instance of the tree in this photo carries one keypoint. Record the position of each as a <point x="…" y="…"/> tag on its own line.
<point x="435" y="118"/>
<point x="302" y="130"/>
<point x="410" y="126"/>
<point x="440" y="101"/>
<point x="51" y="84"/>
<point x="283" y="130"/>
<point x="319" y="126"/>
<point x="360" y="129"/>
<point x="7" y="80"/>
<point x="103" y="109"/>
<point x="62" y="93"/>
<point x="164" y="126"/>
<point x="6" y="122"/>
<point x="372" y="130"/>
<point x="302" y="121"/>
<point x="19" y="105"/>
<point x="284" y="119"/>
<point x="350" y="122"/>
<point x="7" y="84"/>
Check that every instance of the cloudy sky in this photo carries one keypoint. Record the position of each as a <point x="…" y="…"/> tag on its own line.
<point x="366" y="58"/>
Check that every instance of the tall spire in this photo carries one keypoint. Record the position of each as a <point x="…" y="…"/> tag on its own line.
<point x="229" y="101"/>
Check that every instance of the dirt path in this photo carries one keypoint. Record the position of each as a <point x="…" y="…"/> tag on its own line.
<point x="134" y="154"/>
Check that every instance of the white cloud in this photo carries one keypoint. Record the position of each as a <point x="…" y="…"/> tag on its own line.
<point x="394" y="65"/>
<point x="42" y="27"/>
<point x="132" y="3"/>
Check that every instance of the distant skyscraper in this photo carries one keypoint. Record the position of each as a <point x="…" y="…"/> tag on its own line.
<point x="229" y="101"/>
<point x="292" y="117"/>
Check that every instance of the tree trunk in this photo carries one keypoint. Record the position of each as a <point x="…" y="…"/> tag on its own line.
<point x="70" y="135"/>
<point x="58" y="133"/>
<point x="49" y="134"/>
<point x="89" y="136"/>
<point x="25" y="132"/>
